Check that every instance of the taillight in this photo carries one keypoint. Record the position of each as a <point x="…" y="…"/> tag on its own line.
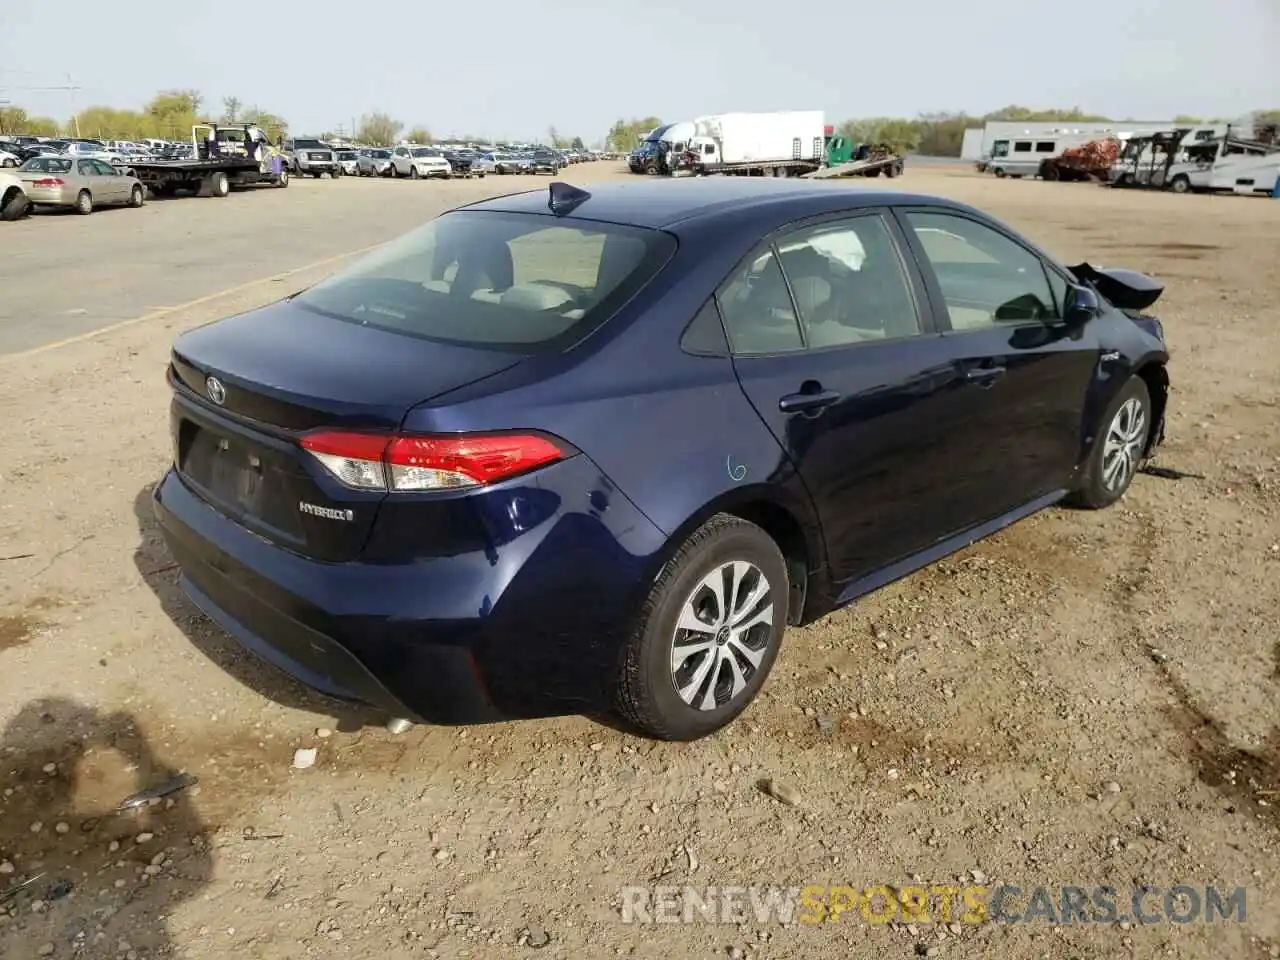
<point x="49" y="182"/>
<point x="416" y="463"/>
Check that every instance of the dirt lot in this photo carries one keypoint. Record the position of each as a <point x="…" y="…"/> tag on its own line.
<point x="1087" y="698"/>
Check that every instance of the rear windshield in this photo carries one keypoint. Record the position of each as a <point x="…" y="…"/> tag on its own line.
<point x="519" y="282"/>
<point x="47" y="165"/>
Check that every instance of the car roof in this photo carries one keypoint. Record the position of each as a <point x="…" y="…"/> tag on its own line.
<point x="662" y="203"/>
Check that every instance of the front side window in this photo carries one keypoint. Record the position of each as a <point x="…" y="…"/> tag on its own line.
<point x="518" y="282"/>
<point x="986" y="278"/>
<point x="849" y="282"/>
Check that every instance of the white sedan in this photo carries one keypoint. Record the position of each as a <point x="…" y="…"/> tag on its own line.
<point x="419" y="162"/>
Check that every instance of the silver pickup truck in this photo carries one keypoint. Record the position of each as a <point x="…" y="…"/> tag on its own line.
<point x="314" y="157"/>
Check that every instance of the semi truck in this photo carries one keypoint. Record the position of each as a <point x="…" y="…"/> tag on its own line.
<point x="782" y="144"/>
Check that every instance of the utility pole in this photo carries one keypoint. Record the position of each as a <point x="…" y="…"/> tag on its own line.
<point x="72" y="87"/>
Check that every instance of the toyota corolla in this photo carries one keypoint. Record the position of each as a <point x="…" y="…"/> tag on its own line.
<point x="570" y="452"/>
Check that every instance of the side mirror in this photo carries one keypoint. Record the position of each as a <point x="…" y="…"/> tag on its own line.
<point x="1082" y="306"/>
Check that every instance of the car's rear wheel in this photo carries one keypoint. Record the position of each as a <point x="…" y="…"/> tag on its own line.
<point x="1119" y="449"/>
<point x="708" y="633"/>
<point x="84" y="203"/>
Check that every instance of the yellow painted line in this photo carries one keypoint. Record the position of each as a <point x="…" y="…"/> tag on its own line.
<point x="166" y="311"/>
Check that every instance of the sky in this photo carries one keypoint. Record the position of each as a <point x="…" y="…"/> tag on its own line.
<point x="511" y="69"/>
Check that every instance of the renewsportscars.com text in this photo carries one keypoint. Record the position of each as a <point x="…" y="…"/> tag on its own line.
<point x="939" y="903"/>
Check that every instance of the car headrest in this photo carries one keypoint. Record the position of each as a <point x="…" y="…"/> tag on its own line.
<point x="534" y="296"/>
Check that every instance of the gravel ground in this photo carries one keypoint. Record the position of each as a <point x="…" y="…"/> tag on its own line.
<point x="1084" y="699"/>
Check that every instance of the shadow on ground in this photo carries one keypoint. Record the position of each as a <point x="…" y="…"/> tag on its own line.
<point x="77" y="874"/>
<point x="156" y="566"/>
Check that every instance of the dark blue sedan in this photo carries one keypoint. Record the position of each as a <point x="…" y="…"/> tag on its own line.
<point x="561" y="452"/>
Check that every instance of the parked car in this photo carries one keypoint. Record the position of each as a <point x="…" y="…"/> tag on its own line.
<point x="8" y="159"/>
<point x="311" y="156"/>
<point x="545" y="161"/>
<point x="349" y="162"/>
<point x="482" y="165"/>
<point x="419" y="162"/>
<point x="83" y="183"/>
<point x="514" y="464"/>
<point x="463" y="162"/>
<point x="93" y="149"/>
<point x="374" y="162"/>
<point x="505" y="163"/>
<point x="13" y="197"/>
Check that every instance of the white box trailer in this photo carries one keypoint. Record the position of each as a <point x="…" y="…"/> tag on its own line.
<point x="785" y="143"/>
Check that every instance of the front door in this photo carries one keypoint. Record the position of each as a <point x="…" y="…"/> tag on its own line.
<point x="1001" y="307"/>
<point x="114" y="182"/>
<point x="834" y="345"/>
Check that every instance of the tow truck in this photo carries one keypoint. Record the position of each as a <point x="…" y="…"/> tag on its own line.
<point x="225" y="156"/>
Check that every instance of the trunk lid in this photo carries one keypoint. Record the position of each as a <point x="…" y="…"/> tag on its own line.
<point x="283" y="371"/>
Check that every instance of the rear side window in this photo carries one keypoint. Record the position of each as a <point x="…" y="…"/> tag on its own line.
<point x="518" y="282"/>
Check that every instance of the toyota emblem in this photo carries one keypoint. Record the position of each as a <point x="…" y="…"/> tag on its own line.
<point x="217" y="392"/>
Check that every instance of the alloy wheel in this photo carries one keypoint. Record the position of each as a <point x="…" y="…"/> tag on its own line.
<point x="1123" y="446"/>
<point x="722" y="635"/>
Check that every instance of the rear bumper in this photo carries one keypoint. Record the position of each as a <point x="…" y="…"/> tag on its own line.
<point x="528" y="626"/>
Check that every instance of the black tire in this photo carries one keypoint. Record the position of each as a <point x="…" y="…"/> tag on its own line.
<point x="219" y="185"/>
<point x="1180" y="184"/>
<point x="1094" y="492"/>
<point x="15" y="205"/>
<point x="999" y="172"/>
<point x="646" y="696"/>
<point x="283" y="180"/>
<point x="413" y="172"/>
<point x="84" y="203"/>
<point x="137" y="197"/>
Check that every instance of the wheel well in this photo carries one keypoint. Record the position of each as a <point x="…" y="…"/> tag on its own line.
<point x="1156" y="377"/>
<point x="787" y="533"/>
<point x="9" y="194"/>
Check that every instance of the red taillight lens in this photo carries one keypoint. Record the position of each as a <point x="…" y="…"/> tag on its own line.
<point x="406" y="463"/>
<point x="49" y="182"/>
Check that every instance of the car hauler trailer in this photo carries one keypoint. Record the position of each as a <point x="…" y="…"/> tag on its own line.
<point x="844" y="158"/>
<point x="225" y="157"/>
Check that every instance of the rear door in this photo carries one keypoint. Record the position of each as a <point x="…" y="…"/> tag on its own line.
<point x="835" y="346"/>
<point x="1000" y="304"/>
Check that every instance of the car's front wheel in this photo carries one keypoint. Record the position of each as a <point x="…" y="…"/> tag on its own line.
<point x="1119" y="449"/>
<point x="708" y="633"/>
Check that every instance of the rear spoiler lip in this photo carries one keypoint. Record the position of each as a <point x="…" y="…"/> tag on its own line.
<point x="1124" y="289"/>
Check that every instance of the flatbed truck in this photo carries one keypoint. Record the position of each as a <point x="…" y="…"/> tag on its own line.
<point x="223" y="159"/>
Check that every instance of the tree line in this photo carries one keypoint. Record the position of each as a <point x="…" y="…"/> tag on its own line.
<point x="930" y="134"/>
<point x="169" y="115"/>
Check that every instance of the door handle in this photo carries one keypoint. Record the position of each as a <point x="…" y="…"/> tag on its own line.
<point x="984" y="376"/>
<point x="808" y="402"/>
